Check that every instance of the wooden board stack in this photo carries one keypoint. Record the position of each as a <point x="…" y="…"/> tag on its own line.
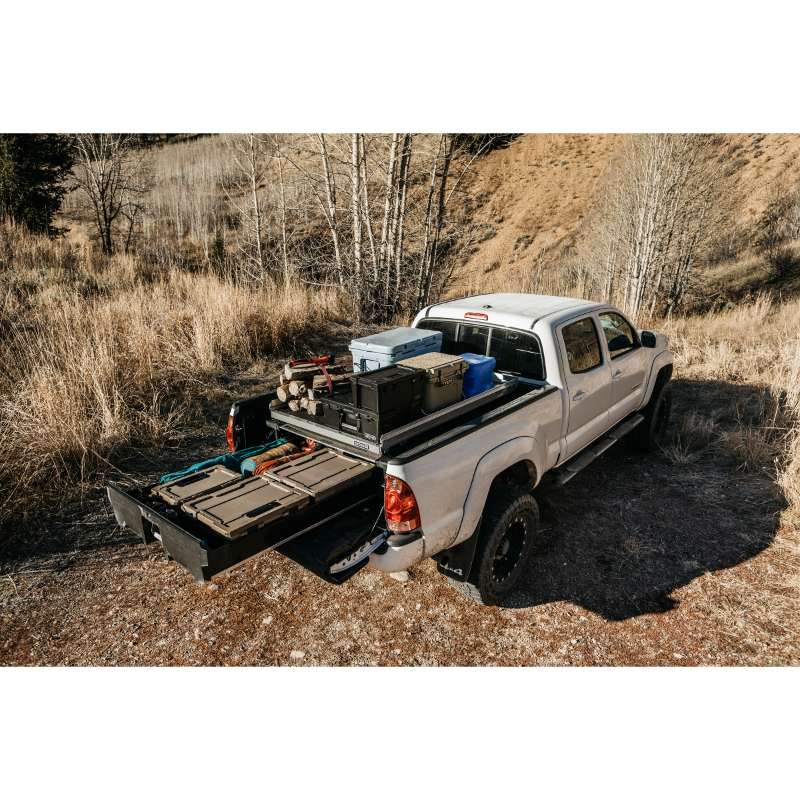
<point x="301" y="384"/>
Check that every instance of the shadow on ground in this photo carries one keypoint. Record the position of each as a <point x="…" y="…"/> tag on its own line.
<point x="631" y="529"/>
<point x="621" y="537"/>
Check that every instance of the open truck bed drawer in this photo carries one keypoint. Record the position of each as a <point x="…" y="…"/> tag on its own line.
<point x="317" y="537"/>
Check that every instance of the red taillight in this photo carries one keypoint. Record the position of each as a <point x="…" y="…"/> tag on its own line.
<point x="400" y="506"/>
<point x="475" y="315"/>
<point x="229" y="434"/>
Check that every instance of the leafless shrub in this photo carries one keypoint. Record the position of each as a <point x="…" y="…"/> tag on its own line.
<point x="113" y="172"/>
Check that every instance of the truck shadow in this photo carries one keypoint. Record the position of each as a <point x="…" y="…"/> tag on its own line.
<point x="629" y="530"/>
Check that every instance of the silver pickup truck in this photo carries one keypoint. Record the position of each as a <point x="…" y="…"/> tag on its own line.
<point x="572" y="378"/>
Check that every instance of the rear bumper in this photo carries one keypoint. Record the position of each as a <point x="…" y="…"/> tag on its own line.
<point x="399" y="552"/>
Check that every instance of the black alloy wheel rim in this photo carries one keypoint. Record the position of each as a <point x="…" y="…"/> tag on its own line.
<point x="509" y="549"/>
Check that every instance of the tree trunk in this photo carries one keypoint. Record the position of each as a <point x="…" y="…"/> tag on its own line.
<point x="284" y="249"/>
<point x="387" y="207"/>
<point x="405" y="160"/>
<point x="330" y="189"/>
<point x="367" y="212"/>
<point x="257" y="223"/>
<point x="355" y="178"/>
<point x="427" y="234"/>
<point x="440" y="207"/>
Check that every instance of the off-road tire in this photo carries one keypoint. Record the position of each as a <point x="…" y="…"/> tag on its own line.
<point x="649" y="434"/>
<point x="509" y="534"/>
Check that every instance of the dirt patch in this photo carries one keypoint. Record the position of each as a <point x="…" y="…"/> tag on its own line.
<point x="646" y="562"/>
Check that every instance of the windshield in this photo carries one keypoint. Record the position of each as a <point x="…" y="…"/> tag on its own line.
<point x="517" y="353"/>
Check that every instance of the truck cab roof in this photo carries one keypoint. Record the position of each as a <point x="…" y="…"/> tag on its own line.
<point x="513" y="310"/>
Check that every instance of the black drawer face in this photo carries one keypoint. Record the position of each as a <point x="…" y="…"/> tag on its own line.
<point x="347" y="418"/>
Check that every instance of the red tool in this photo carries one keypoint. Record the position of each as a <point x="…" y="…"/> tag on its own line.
<point x="317" y="360"/>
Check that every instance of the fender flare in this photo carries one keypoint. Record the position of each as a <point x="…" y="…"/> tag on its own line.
<point x="491" y="464"/>
<point x="662" y="360"/>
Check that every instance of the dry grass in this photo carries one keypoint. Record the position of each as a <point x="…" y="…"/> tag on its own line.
<point x="758" y="345"/>
<point x="88" y="371"/>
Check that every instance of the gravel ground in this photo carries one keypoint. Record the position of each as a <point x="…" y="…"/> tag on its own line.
<point x="646" y="562"/>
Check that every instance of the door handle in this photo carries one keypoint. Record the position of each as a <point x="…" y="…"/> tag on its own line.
<point x="616" y="373"/>
<point x="579" y="395"/>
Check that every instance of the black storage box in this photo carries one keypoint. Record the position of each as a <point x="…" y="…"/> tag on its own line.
<point x="389" y="390"/>
<point x="374" y="402"/>
<point x="348" y="418"/>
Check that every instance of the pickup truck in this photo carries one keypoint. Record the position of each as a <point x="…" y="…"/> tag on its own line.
<point x="572" y="378"/>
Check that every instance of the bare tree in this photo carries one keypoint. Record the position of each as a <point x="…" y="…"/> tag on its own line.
<point x="355" y="179"/>
<point x="366" y="209"/>
<point x="434" y="218"/>
<point x="657" y="213"/>
<point x="251" y="158"/>
<point x="399" y="216"/>
<point x="390" y="194"/>
<point x="282" y="186"/>
<point x="330" y="210"/>
<point x="112" y="172"/>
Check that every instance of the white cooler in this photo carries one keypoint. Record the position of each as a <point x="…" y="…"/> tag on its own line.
<point x="388" y="347"/>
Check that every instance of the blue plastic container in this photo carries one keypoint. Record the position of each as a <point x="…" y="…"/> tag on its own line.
<point x="478" y="377"/>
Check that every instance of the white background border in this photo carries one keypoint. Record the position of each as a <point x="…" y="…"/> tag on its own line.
<point x="457" y="66"/>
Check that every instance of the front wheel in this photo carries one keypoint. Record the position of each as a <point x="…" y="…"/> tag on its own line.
<point x="508" y="536"/>
<point x="649" y="434"/>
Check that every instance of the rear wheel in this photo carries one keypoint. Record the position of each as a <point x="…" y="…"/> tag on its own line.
<point x="650" y="434"/>
<point x="508" y="536"/>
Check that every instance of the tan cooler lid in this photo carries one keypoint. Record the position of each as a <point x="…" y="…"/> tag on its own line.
<point x="322" y="473"/>
<point x="439" y="366"/>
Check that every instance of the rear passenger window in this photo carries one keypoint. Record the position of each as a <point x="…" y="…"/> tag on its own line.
<point x="582" y="344"/>
<point x="472" y="339"/>
<point x="458" y="338"/>
<point x="618" y="332"/>
<point x="517" y="353"/>
<point x="449" y="332"/>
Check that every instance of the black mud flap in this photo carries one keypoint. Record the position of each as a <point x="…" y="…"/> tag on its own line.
<point x="456" y="562"/>
<point x="317" y="539"/>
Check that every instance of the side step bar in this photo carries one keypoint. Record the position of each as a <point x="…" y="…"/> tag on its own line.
<point x="569" y="470"/>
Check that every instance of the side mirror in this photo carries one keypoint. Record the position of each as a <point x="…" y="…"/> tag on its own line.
<point x="648" y="339"/>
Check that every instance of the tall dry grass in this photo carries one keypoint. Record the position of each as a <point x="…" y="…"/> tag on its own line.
<point x="756" y="344"/>
<point x="87" y="372"/>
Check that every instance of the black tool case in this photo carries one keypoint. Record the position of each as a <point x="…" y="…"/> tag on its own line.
<point x="380" y="401"/>
<point x="389" y="391"/>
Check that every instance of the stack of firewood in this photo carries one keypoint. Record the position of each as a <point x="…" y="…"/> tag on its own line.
<point x="301" y="384"/>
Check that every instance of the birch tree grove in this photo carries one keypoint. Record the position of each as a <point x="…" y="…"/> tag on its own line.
<point x="364" y="213"/>
<point x="655" y="218"/>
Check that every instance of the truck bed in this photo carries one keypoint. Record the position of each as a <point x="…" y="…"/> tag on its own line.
<point x="475" y="411"/>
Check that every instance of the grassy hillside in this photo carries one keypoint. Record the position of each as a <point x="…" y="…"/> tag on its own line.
<point x="525" y="206"/>
<point x="102" y="355"/>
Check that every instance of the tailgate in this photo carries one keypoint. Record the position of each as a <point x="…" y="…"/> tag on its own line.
<point x="332" y="538"/>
